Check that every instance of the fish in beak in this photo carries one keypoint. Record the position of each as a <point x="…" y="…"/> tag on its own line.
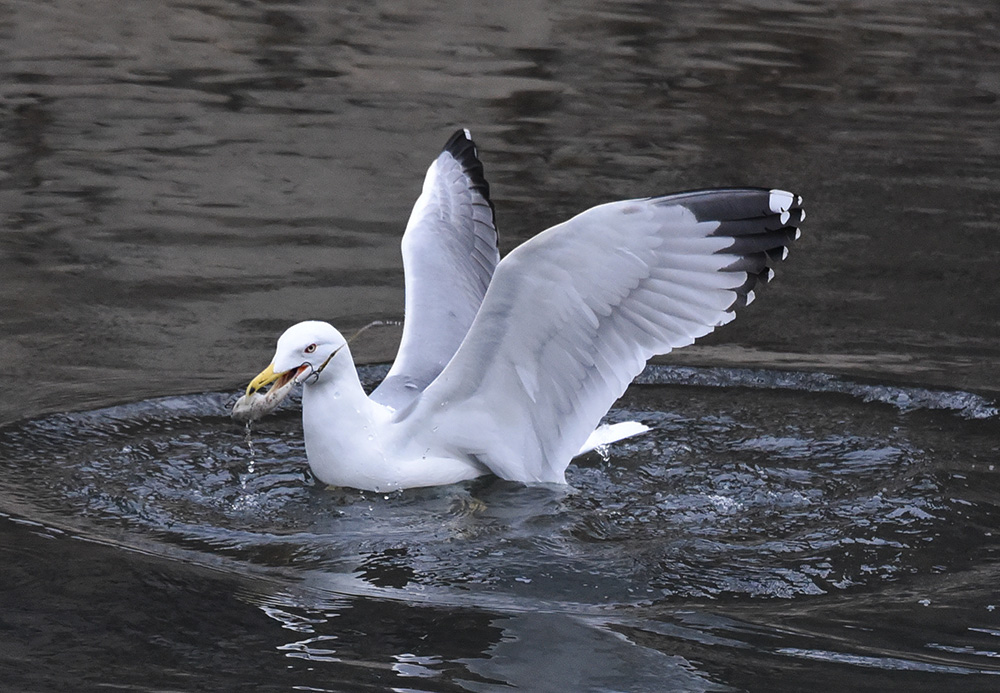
<point x="254" y="405"/>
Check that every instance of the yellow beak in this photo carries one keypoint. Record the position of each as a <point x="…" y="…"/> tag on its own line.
<point x="264" y="378"/>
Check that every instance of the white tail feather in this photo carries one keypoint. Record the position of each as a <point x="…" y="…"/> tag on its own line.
<point x="606" y="434"/>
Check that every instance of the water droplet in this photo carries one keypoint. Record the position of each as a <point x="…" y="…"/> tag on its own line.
<point x="248" y="439"/>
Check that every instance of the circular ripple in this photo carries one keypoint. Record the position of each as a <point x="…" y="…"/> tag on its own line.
<point x="737" y="492"/>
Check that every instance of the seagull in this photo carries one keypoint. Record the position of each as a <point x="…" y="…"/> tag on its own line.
<point x="506" y="367"/>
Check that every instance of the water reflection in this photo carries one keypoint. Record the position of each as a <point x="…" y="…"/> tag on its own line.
<point x="477" y="650"/>
<point x="684" y="649"/>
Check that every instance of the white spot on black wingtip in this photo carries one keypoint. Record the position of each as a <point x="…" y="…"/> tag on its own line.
<point x="798" y="234"/>
<point x="798" y="201"/>
<point x="784" y="253"/>
<point x="750" y="298"/>
<point x="725" y="319"/>
<point x="769" y="275"/>
<point x="468" y="135"/>
<point x="780" y="201"/>
<point x="802" y="213"/>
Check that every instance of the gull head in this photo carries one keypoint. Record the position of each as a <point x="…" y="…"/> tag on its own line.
<point x="302" y="354"/>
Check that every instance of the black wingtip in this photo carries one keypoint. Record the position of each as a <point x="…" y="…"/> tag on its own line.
<point x="461" y="146"/>
<point x="760" y="222"/>
<point x="458" y="142"/>
<point x="764" y="223"/>
<point x="735" y="204"/>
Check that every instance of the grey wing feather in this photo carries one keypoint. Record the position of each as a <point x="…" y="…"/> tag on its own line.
<point x="572" y="316"/>
<point x="449" y="256"/>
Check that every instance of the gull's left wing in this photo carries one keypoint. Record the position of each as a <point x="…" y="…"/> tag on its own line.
<point x="573" y="314"/>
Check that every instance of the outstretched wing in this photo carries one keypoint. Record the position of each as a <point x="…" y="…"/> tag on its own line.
<point x="449" y="255"/>
<point x="572" y="315"/>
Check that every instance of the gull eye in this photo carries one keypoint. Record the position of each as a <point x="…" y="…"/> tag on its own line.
<point x="310" y="349"/>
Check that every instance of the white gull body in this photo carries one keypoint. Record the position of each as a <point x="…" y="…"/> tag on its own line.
<point x="507" y="367"/>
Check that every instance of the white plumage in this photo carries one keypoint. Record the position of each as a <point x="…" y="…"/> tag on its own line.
<point x="507" y="367"/>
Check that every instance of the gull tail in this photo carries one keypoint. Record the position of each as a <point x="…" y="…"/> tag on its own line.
<point x="606" y="434"/>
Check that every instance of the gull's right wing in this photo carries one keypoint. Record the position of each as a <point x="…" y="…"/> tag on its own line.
<point x="449" y="255"/>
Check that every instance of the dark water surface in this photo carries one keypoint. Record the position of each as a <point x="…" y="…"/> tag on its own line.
<point x="816" y="508"/>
